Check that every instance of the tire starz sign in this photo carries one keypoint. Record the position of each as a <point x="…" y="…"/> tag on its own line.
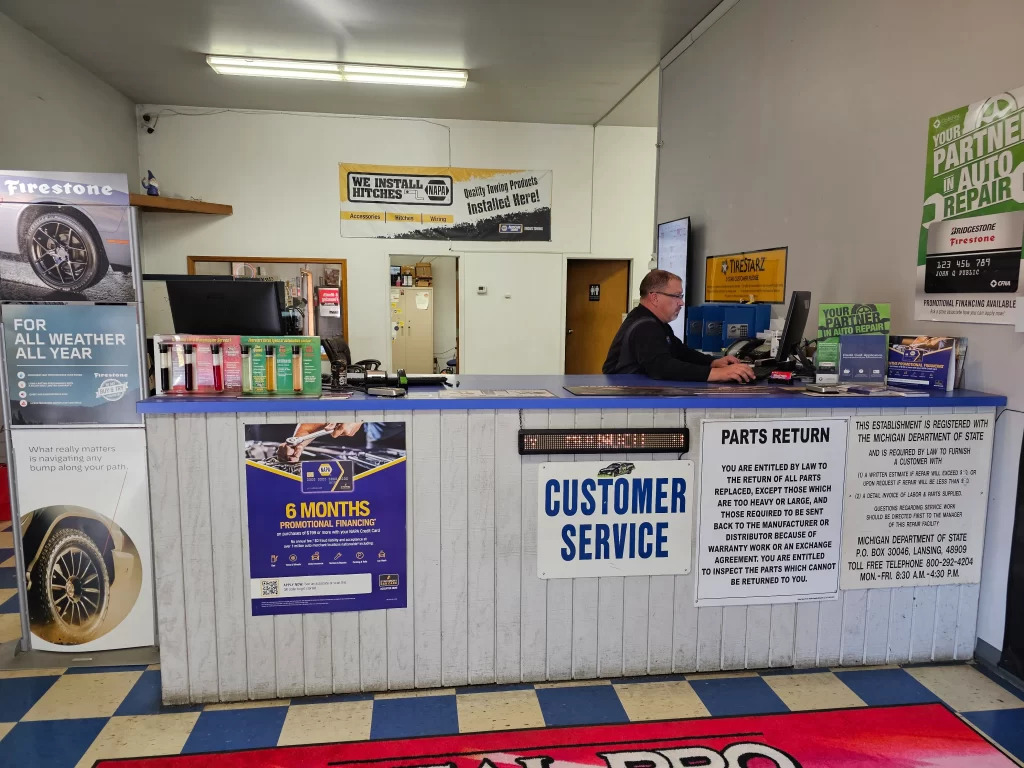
<point x="432" y="203"/>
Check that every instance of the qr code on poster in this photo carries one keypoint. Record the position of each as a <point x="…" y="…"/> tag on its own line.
<point x="269" y="587"/>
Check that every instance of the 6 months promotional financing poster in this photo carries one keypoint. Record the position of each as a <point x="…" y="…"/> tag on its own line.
<point x="327" y="517"/>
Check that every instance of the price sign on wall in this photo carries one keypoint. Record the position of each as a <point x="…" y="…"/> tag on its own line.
<point x="771" y="506"/>
<point x="917" y="494"/>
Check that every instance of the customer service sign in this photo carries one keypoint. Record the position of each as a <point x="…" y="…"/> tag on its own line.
<point x="598" y="518"/>
<point x="432" y="203"/>
<point x="969" y="246"/>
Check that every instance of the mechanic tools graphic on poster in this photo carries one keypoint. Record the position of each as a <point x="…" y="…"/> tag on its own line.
<point x="327" y="517"/>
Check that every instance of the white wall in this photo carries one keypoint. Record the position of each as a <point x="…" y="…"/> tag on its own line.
<point x="625" y="161"/>
<point x="280" y="172"/>
<point x="57" y="116"/>
<point x="802" y="123"/>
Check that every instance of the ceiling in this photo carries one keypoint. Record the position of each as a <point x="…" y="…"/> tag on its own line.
<point x="552" y="61"/>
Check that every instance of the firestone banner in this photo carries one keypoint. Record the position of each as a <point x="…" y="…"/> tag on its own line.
<point x="969" y="246"/>
<point x="432" y="203"/>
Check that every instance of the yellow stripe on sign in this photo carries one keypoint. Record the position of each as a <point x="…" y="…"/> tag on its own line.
<point x="405" y="218"/>
<point x="438" y="218"/>
<point x="271" y="469"/>
<point x="362" y="215"/>
<point x="381" y="468"/>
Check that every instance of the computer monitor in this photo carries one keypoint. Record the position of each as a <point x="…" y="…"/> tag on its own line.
<point x="796" y="320"/>
<point x="673" y="256"/>
<point x="240" y="307"/>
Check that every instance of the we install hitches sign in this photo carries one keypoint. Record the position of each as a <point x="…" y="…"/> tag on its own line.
<point x="969" y="246"/>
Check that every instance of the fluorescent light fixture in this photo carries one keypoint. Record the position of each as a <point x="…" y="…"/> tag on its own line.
<point x="337" y="72"/>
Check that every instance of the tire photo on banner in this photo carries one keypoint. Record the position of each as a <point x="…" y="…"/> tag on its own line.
<point x="65" y="237"/>
<point x="85" y="538"/>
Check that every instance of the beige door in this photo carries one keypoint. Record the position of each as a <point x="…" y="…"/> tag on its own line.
<point x="596" y="296"/>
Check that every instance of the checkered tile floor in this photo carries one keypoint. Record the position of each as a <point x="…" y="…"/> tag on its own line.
<point x="62" y="718"/>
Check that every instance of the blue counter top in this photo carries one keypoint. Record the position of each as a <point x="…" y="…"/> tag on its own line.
<point x="444" y="398"/>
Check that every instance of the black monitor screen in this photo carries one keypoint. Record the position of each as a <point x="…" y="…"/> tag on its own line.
<point x="225" y="307"/>
<point x="796" y="321"/>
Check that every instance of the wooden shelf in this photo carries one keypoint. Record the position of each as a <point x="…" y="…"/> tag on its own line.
<point x="158" y="204"/>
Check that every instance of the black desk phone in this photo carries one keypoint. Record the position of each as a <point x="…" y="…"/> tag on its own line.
<point x="750" y="349"/>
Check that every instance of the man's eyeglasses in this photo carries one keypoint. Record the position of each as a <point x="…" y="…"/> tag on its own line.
<point x="678" y="296"/>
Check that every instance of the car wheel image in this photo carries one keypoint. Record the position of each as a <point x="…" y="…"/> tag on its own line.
<point x="70" y="586"/>
<point x="64" y="252"/>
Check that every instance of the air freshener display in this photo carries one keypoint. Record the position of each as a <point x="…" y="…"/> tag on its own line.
<point x="280" y="365"/>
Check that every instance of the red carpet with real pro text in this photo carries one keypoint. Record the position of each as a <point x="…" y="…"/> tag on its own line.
<point x="887" y="737"/>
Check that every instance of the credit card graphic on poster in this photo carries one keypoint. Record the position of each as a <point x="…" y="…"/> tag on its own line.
<point x="71" y="364"/>
<point x="442" y="203"/>
<point x="327" y="516"/>
<point x="972" y="226"/>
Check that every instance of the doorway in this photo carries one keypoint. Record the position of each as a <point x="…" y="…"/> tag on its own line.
<point x="596" y="298"/>
<point x="424" y="313"/>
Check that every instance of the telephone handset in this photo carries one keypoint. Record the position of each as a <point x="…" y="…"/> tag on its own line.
<point x="749" y="349"/>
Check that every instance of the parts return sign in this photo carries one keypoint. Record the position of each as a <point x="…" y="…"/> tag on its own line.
<point x="599" y="518"/>
<point x="917" y="493"/>
<point x="771" y="505"/>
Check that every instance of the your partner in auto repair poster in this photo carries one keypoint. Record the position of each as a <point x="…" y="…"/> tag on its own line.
<point x="424" y="203"/>
<point x="327" y="518"/>
<point x="969" y="260"/>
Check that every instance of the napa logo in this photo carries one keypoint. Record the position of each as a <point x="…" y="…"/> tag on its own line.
<point x="510" y="229"/>
<point x="324" y="470"/>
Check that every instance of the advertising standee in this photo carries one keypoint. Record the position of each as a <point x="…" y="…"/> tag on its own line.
<point x="83" y="499"/>
<point x="599" y="518"/>
<point x="771" y="505"/>
<point x="917" y="495"/>
<point x="327" y="518"/>
<point x="72" y="365"/>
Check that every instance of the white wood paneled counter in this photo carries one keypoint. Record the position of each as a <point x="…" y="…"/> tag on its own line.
<point x="477" y="611"/>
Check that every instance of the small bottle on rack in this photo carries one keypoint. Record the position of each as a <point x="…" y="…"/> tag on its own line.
<point x="296" y="368"/>
<point x="271" y="369"/>
<point x="190" y="368"/>
<point x="165" y="368"/>
<point x="246" y="370"/>
<point x="218" y="368"/>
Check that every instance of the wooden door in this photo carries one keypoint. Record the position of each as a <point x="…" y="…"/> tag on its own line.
<point x="596" y="296"/>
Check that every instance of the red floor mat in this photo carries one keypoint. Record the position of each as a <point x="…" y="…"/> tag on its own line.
<point x="890" y="737"/>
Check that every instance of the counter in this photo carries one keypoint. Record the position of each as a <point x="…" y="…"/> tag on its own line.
<point x="477" y="613"/>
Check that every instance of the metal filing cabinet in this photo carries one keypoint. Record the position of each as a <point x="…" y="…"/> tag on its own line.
<point x="412" y="329"/>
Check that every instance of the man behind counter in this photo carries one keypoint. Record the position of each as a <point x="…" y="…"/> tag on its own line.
<point x="645" y="342"/>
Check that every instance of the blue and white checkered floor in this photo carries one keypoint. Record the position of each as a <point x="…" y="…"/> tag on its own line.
<point x="62" y="718"/>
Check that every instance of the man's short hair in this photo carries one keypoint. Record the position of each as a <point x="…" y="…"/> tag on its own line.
<point x="656" y="280"/>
